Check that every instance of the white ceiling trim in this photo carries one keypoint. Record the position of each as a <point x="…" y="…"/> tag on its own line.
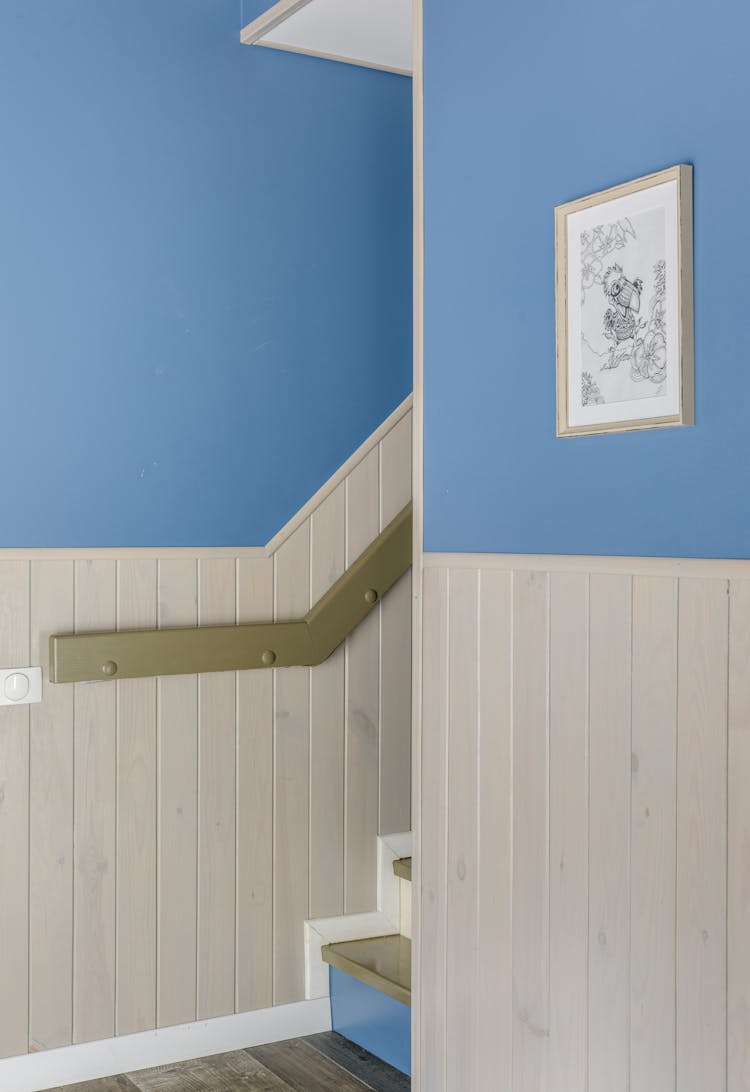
<point x="270" y="19"/>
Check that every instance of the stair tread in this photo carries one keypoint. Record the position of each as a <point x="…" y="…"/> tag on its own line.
<point x="402" y="868"/>
<point x="381" y="962"/>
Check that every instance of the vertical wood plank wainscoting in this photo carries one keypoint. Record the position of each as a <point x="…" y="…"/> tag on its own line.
<point x="585" y="825"/>
<point x="163" y="840"/>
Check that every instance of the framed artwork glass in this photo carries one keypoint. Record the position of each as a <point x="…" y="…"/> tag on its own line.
<point x="624" y="302"/>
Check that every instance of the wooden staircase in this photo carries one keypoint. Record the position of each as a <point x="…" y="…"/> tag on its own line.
<point x="367" y="977"/>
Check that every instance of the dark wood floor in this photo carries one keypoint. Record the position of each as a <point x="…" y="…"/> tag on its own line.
<point x="318" y="1063"/>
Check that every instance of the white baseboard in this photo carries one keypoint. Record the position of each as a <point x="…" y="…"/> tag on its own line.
<point x="126" y="1053"/>
<point x="387" y="919"/>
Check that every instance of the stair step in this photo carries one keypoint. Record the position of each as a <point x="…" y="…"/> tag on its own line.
<point x="381" y="962"/>
<point x="402" y="868"/>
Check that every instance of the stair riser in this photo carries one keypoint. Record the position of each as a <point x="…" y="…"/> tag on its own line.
<point x="371" y="1019"/>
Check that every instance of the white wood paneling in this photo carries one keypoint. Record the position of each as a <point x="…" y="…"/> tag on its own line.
<point x="94" y="840"/>
<point x="292" y="781"/>
<point x="609" y="832"/>
<point x="738" y="881"/>
<point x="611" y="827"/>
<point x="653" y="875"/>
<point x="254" y="801"/>
<point x="531" y="1030"/>
<point x="173" y="834"/>
<point x="136" y="811"/>
<point x="52" y="610"/>
<point x="362" y="705"/>
<point x="433" y="820"/>
<point x="327" y="693"/>
<point x="463" y="879"/>
<point x="396" y="667"/>
<point x="702" y="835"/>
<point x="568" y="824"/>
<point x="495" y="811"/>
<point x="14" y="817"/>
<point x="216" y="803"/>
<point x="177" y="796"/>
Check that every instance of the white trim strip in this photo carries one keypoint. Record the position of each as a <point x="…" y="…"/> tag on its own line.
<point x="127" y="1053"/>
<point x="334" y="57"/>
<point x="417" y="567"/>
<point x="718" y="568"/>
<point x="343" y="471"/>
<point x="124" y="553"/>
<point x="270" y="19"/>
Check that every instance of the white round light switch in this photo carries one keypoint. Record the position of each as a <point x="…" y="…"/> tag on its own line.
<point x="16" y="686"/>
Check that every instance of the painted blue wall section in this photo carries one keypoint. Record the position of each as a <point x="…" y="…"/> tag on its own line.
<point x="371" y="1019"/>
<point x="205" y="272"/>
<point x="529" y="105"/>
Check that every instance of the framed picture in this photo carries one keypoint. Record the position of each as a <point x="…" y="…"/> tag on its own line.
<point x="624" y="264"/>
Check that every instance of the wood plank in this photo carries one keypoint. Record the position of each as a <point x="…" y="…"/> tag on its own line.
<point x="14" y="817"/>
<point x="254" y="971"/>
<point x="216" y="803"/>
<point x="327" y="690"/>
<point x="701" y="835"/>
<point x="463" y="864"/>
<point x="395" y="469"/>
<point x="304" y="1069"/>
<point x="609" y="825"/>
<point x="494" y="907"/>
<point x="738" y="885"/>
<point x="177" y="800"/>
<point x="432" y="865"/>
<point x="395" y="645"/>
<point x="568" y="780"/>
<point x="362" y="705"/>
<point x="136" y="811"/>
<point x="292" y="773"/>
<point x="95" y="760"/>
<point x="377" y="1075"/>
<point x="220" y="1073"/>
<point x="51" y="817"/>
<point x="653" y="841"/>
<point x="530" y="825"/>
<point x="395" y="708"/>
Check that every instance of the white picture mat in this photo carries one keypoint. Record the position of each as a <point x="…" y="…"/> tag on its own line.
<point x="665" y="196"/>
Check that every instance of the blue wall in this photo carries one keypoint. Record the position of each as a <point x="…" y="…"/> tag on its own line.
<point x="205" y="272"/>
<point x="529" y="105"/>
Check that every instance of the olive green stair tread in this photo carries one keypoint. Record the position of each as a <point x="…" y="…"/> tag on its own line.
<point x="381" y="962"/>
<point x="402" y="868"/>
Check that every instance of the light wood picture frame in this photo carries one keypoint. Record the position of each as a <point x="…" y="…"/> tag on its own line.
<point x="624" y="306"/>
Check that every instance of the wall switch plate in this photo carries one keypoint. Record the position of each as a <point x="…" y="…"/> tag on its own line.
<point x="20" y="685"/>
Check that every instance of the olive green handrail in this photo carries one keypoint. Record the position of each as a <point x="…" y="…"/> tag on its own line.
<point x="85" y="657"/>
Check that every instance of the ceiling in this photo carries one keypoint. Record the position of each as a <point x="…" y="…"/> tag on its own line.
<point x="374" y="33"/>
